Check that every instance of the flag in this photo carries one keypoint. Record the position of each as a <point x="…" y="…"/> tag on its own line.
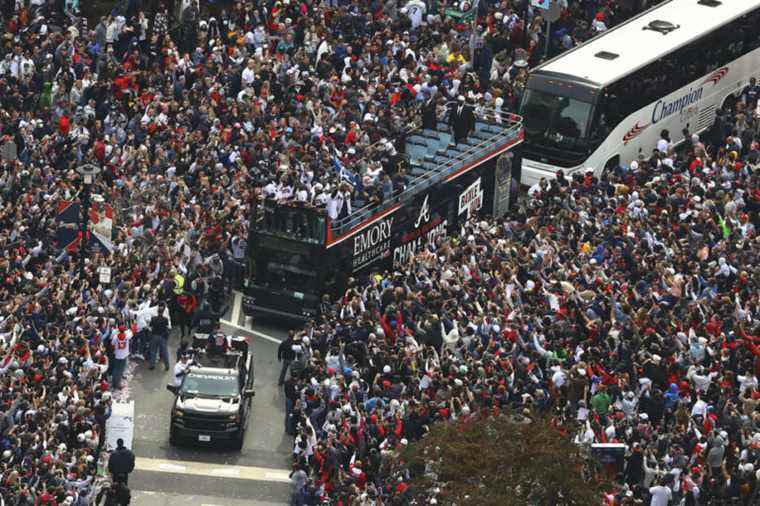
<point x="342" y="171"/>
<point x="67" y="232"/>
<point x="99" y="228"/>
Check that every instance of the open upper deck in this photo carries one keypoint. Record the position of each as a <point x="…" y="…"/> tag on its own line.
<point x="431" y="158"/>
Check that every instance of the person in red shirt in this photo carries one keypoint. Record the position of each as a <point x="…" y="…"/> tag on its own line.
<point x="64" y="125"/>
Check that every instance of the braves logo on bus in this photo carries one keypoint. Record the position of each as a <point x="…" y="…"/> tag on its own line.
<point x="716" y="76"/>
<point x="634" y="132"/>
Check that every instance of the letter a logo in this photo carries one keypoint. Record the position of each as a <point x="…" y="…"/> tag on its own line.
<point x="424" y="213"/>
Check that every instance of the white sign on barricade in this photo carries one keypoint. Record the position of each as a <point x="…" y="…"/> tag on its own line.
<point x="121" y="424"/>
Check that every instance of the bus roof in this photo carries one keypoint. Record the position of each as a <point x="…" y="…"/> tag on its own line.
<point x="636" y="46"/>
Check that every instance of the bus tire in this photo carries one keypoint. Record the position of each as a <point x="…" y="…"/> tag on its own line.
<point x="729" y="102"/>
<point x="173" y="440"/>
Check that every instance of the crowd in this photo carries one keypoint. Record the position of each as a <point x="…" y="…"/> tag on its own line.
<point x="190" y="120"/>
<point x="340" y="89"/>
<point x="624" y="308"/>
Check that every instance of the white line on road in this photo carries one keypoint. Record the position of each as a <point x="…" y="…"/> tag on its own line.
<point x="212" y="470"/>
<point x="256" y="333"/>
<point x="227" y="471"/>
<point x="172" y="468"/>
<point x="237" y="304"/>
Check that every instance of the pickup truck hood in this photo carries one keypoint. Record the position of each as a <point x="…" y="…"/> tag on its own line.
<point x="207" y="405"/>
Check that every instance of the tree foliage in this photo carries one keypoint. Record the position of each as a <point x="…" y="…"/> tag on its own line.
<point x="501" y="461"/>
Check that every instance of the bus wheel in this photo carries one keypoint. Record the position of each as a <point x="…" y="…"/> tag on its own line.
<point x="729" y="103"/>
<point x="611" y="164"/>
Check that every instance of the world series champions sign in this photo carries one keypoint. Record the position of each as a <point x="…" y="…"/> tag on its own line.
<point x="502" y="196"/>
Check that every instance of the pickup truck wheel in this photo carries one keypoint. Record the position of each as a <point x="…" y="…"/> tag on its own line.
<point x="237" y="443"/>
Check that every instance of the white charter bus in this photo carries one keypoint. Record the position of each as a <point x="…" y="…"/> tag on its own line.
<point x="606" y="101"/>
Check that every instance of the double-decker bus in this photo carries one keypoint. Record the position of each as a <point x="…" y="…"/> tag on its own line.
<point x="605" y="102"/>
<point x="297" y="254"/>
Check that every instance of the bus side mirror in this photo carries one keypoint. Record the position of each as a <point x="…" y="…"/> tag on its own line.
<point x="249" y="392"/>
<point x="173" y="389"/>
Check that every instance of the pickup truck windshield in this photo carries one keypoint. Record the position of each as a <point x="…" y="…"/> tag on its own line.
<point x="210" y="385"/>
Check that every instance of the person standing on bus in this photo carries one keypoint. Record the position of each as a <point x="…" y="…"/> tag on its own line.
<point x="429" y="113"/>
<point x="462" y="120"/>
<point x="339" y="203"/>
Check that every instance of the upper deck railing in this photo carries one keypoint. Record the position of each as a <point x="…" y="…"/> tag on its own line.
<point x="493" y="131"/>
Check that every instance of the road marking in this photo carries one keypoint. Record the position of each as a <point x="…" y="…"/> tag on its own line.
<point x="212" y="470"/>
<point x="256" y="333"/>
<point x="227" y="471"/>
<point x="172" y="468"/>
<point x="237" y="304"/>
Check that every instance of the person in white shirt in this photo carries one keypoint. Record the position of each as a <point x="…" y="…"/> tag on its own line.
<point x="661" y="495"/>
<point x="284" y="192"/>
<point x="334" y="203"/>
<point x="664" y="143"/>
<point x="249" y="74"/>
<point x="700" y="380"/>
<point x="301" y="194"/>
<point x="270" y="190"/>
<point x="120" y="342"/>
<point x="181" y="368"/>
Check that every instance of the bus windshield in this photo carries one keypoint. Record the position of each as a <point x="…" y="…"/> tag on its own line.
<point x="555" y="121"/>
<point x="286" y="269"/>
<point x="210" y="385"/>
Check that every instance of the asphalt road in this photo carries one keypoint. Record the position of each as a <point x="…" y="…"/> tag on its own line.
<point x="257" y="475"/>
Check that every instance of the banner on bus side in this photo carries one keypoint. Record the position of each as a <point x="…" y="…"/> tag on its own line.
<point x="471" y="199"/>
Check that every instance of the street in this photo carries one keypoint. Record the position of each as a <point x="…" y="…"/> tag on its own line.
<point x="257" y="475"/>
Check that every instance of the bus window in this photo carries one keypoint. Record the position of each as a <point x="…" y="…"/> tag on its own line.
<point x="286" y="269"/>
<point x="557" y="121"/>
